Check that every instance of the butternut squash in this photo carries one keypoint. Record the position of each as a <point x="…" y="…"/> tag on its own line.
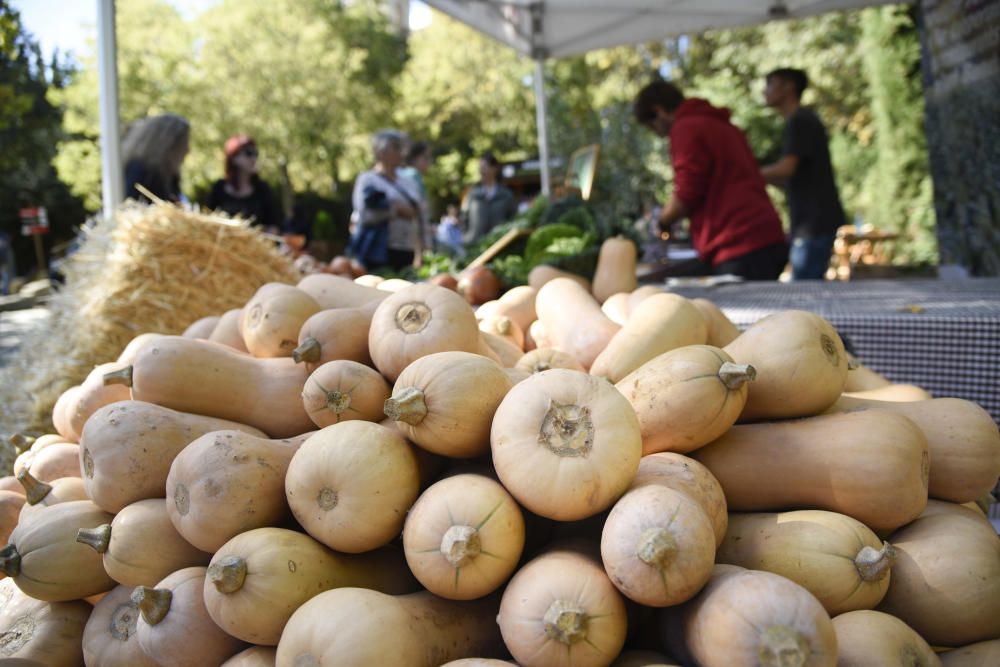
<point x="271" y="319"/>
<point x="834" y="557"/>
<point x="658" y="546"/>
<point x="562" y="610"/>
<point x="417" y="321"/>
<point x="94" y="395"/>
<point x="287" y="568"/>
<point x="61" y="414"/>
<point x="140" y="546"/>
<point x="331" y="291"/>
<point x="127" y="355"/>
<point x="862" y="378"/>
<point x="45" y="560"/>
<point x="640" y="294"/>
<point x="801" y="365"/>
<point x="202" y="328"/>
<point x="536" y="337"/>
<point x="643" y="659"/>
<point x="10" y="483"/>
<point x="546" y="358"/>
<point x="565" y="444"/>
<point x="255" y="656"/>
<point x="174" y="628"/>
<point x="721" y="330"/>
<point x="973" y="655"/>
<point x="347" y="627"/>
<point x="573" y="320"/>
<point x="445" y="402"/>
<point x="37" y="633"/>
<point x="686" y="398"/>
<point x="463" y="537"/>
<point x="615" y="268"/>
<point x="893" y="392"/>
<point x="227" y="331"/>
<point x="542" y="274"/>
<point x="351" y="484"/>
<point x="616" y="308"/>
<point x="38" y="494"/>
<point x="684" y="474"/>
<point x="369" y="280"/>
<point x="661" y="323"/>
<point x="109" y="637"/>
<point x="868" y="638"/>
<point x="228" y="482"/>
<point x="503" y="327"/>
<point x="517" y="303"/>
<point x="393" y="284"/>
<point x="946" y="580"/>
<point x="336" y="334"/>
<point x="344" y="390"/>
<point x="478" y="662"/>
<point x="746" y="617"/>
<point x="507" y="353"/>
<point x="10" y="510"/>
<point x="116" y="473"/>
<point x="43" y="441"/>
<point x="53" y="462"/>
<point x="870" y="465"/>
<point x="962" y="439"/>
<point x="204" y="378"/>
<point x="516" y="375"/>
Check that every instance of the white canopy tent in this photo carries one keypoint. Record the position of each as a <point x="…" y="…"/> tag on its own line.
<point x="542" y="29"/>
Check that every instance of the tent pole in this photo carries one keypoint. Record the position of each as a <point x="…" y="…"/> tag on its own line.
<point x="542" y="120"/>
<point x="111" y="161"/>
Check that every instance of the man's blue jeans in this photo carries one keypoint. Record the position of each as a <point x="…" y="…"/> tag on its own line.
<point x="811" y="257"/>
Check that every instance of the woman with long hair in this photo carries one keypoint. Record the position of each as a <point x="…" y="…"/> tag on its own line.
<point x="488" y="204"/>
<point x="153" y="151"/>
<point x="242" y="192"/>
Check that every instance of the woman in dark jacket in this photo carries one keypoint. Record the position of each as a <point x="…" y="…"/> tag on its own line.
<point x="242" y="192"/>
<point x="488" y="204"/>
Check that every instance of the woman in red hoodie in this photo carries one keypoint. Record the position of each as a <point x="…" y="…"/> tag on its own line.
<point x="717" y="185"/>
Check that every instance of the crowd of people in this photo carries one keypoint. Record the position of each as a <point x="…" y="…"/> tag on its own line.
<point x="718" y="187"/>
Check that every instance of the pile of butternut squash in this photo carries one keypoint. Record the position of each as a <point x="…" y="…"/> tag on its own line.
<point x="346" y="475"/>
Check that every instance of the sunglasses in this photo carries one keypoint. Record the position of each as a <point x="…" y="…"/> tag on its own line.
<point x="249" y="151"/>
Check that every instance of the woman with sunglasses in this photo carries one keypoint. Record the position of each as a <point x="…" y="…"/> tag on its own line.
<point x="242" y="192"/>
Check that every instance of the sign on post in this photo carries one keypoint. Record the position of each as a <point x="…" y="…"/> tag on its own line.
<point x="34" y="221"/>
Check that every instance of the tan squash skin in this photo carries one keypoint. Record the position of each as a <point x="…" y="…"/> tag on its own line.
<point x="271" y="319"/>
<point x="287" y="568"/>
<point x="506" y="352"/>
<point x="503" y="327"/>
<point x="331" y="335"/>
<point x="641" y="294"/>
<point x="872" y="639"/>
<point x="658" y="546"/>
<point x="110" y="638"/>
<point x="61" y="414"/>
<point x="836" y="558"/>
<point x="721" y="330"/>
<point x="517" y="303"/>
<point x="893" y="392"/>
<point x="10" y="512"/>
<point x="369" y="280"/>
<point x="615" y="268"/>
<point x="417" y="321"/>
<point x="661" y="323"/>
<point x="205" y="378"/>
<point x="202" y="328"/>
<point x="228" y="482"/>
<point x="616" y="307"/>
<point x="565" y="444"/>
<point x="747" y="617"/>
<point x="516" y="375"/>
<point x="962" y="439"/>
<point x="547" y="358"/>
<point x="45" y="560"/>
<point x="946" y="579"/>
<point x="801" y="365"/>
<point x="478" y="662"/>
<point x="39" y="494"/>
<point x="537" y="337"/>
<point x="643" y="659"/>
<point x="47" y="634"/>
<point x="862" y="378"/>
<point x="870" y="465"/>
<point x="43" y="441"/>
<point x="561" y="610"/>
<point x="255" y="656"/>
<point x="573" y="320"/>
<point x="463" y="537"/>
<point x="348" y="627"/>
<point x="94" y="395"/>
<point x="116" y="472"/>
<point x="227" y="331"/>
<point x="686" y="398"/>
<point x="140" y="546"/>
<point x="331" y="291"/>
<point x="174" y="628"/>
<point x="445" y="402"/>
<point x="684" y="474"/>
<point x="542" y="274"/>
<point x="128" y="354"/>
<point x="351" y="484"/>
<point x="10" y="483"/>
<point x="973" y="655"/>
<point x="393" y="284"/>
<point x="343" y="390"/>
<point x="55" y="461"/>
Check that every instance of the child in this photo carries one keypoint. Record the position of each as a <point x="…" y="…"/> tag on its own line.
<point x="449" y="233"/>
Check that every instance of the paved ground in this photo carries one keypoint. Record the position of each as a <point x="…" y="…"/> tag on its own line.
<point x="14" y="326"/>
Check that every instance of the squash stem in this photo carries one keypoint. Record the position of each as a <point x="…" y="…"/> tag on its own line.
<point x="782" y="646"/>
<point x="735" y="376"/>
<point x="874" y="564"/>
<point x="10" y="561"/>
<point x="154" y="603"/>
<point x="123" y="376"/>
<point x="503" y="326"/>
<point x="228" y="574"/>
<point x="20" y="442"/>
<point x="565" y="622"/>
<point x="35" y="490"/>
<point x="308" y="351"/>
<point x="406" y="406"/>
<point x="657" y="547"/>
<point x="96" y="538"/>
<point x="460" y="545"/>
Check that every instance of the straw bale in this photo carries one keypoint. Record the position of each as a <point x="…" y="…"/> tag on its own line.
<point x="151" y="268"/>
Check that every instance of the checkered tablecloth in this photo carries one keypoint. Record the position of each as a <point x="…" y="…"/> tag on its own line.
<point x="941" y="335"/>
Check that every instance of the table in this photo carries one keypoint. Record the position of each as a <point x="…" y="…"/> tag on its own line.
<point x="941" y="335"/>
<point x="851" y="248"/>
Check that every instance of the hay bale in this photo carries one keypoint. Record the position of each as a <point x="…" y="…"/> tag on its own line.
<point x="149" y="269"/>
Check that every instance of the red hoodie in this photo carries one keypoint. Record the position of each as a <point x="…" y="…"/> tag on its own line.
<point x="719" y="182"/>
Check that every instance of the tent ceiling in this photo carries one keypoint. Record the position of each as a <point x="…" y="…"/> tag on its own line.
<point x="557" y="28"/>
